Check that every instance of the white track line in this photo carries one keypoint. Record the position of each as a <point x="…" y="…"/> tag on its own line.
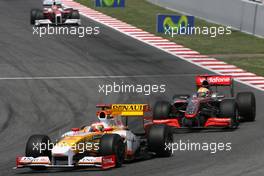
<point x="94" y="77"/>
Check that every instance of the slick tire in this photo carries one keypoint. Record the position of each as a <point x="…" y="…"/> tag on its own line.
<point x="75" y="15"/>
<point x="246" y="102"/>
<point x="33" y="16"/>
<point x="159" y="138"/>
<point x="228" y="108"/>
<point x="161" y="110"/>
<point x="38" y="145"/>
<point x="39" y="15"/>
<point x="112" y="144"/>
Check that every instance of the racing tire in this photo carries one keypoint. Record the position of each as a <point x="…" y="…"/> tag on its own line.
<point x="228" y="108"/>
<point x="38" y="141"/>
<point x="112" y="144"/>
<point x="33" y="16"/>
<point x="159" y="139"/>
<point x="161" y="110"/>
<point x="75" y="14"/>
<point x="246" y="102"/>
<point x="39" y="15"/>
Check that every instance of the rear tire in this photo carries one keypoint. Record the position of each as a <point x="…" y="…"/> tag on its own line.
<point x="159" y="138"/>
<point x="112" y="144"/>
<point x="161" y="110"/>
<point x="246" y="102"/>
<point x="228" y="108"/>
<point x="33" y="146"/>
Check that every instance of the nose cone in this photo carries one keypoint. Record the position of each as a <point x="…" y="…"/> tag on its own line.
<point x="62" y="151"/>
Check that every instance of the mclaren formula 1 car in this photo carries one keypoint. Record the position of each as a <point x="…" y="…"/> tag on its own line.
<point x="207" y="107"/>
<point x="104" y="144"/>
<point x="53" y="13"/>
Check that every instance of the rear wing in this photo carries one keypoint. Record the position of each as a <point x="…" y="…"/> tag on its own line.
<point x="50" y="2"/>
<point x="124" y="109"/>
<point x="215" y="80"/>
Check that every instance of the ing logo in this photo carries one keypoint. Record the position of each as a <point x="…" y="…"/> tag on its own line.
<point x="110" y="3"/>
<point x="175" y="23"/>
<point x="168" y="22"/>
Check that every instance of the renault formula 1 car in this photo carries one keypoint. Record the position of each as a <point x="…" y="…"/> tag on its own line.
<point x="209" y="109"/>
<point x="54" y="14"/>
<point x="104" y="144"/>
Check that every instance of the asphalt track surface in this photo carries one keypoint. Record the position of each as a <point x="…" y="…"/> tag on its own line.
<point x="53" y="106"/>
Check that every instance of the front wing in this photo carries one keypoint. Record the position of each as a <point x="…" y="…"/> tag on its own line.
<point x="48" y="22"/>
<point x="211" y="122"/>
<point x="102" y="162"/>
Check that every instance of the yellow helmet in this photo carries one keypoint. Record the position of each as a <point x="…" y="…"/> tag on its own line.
<point x="203" y="92"/>
<point x="97" y="127"/>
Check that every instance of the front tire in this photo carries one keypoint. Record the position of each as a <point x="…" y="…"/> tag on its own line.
<point x="159" y="138"/>
<point x="33" y="15"/>
<point x="112" y="144"/>
<point x="39" y="15"/>
<point x="162" y="110"/>
<point x="228" y="108"/>
<point x="34" y="148"/>
<point x="75" y="15"/>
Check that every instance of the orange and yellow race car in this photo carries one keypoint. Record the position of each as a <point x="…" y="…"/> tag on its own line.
<point x="104" y="144"/>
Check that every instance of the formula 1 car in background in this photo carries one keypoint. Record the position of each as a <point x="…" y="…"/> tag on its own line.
<point x="54" y="14"/>
<point x="104" y="144"/>
<point x="207" y="108"/>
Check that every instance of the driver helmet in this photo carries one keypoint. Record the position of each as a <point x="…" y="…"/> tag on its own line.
<point x="205" y="84"/>
<point x="104" y="115"/>
<point x="97" y="127"/>
<point x="54" y="5"/>
<point x="203" y="92"/>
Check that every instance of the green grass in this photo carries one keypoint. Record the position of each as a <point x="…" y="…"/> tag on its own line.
<point x="142" y="14"/>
